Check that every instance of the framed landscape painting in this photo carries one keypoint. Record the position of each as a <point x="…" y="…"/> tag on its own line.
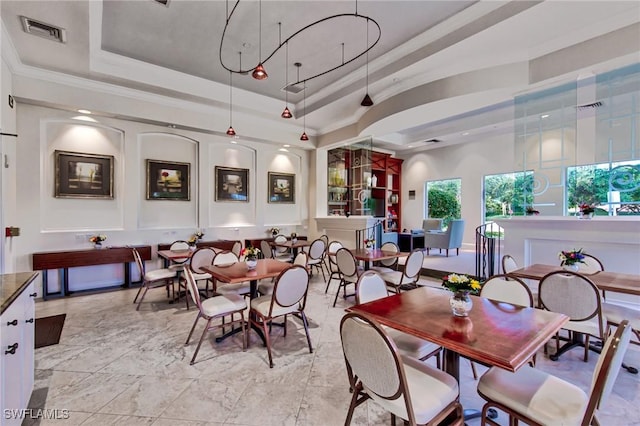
<point x="282" y="188"/>
<point x="168" y="180"/>
<point x="232" y="184"/>
<point x="79" y="175"/>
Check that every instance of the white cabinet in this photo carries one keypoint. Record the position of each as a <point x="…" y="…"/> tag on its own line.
<point x="16" y="356"/>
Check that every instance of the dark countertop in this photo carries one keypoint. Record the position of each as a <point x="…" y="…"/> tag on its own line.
<point x="11" y="285"/>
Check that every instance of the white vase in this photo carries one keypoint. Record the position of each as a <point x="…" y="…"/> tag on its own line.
<point x="461" y="303"/>
<point x="374" y="181"/>
<point x="251" y="262"/>
<point x="572" y="268"/>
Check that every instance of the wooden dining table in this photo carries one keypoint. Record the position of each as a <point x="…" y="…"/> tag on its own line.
<point x="368" y="256"/>
<point x="238" y="272"/>
<point x="495" y="333"/>
<point x="604" y="280"/>
<point x="294" y="246"/>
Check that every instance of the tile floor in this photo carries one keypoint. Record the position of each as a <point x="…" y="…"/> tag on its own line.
<point x="118" y="366"/>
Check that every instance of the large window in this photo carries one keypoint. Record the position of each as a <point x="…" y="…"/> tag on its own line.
<point x="613" y="188"/>
<point x="443" y="199"/>
<point x="505" y="195"/>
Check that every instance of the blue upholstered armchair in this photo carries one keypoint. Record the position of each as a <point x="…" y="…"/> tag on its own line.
<point x="447" y="240"/>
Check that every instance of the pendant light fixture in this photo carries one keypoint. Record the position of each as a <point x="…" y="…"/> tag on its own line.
<point x="367" y="101"/>
<point x="259" y="72"/>
<point x="304" y="136"/>
<point x="287" y="112"/>
<point x="230" y="130"/>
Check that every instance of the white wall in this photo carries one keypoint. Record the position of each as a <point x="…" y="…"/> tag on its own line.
<point x="468" y="162"/>
<point x="8" y="167"/>
<point x="50" y="223"/>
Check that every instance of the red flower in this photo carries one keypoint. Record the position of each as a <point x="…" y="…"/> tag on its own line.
<point x="165" y="174"/>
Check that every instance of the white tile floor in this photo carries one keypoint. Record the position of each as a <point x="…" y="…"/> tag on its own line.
<point x="118" y="366"/>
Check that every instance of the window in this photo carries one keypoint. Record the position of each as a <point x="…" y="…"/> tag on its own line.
<point x="613" y="188"/>
<point x="505" y="195"/>
<point x="443" y="199"/>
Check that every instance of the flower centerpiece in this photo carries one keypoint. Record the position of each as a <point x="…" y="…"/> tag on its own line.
<point x="586" y="210"/>
<point x="250" y="256"/>
<point x="274" y="231"/>
<point x="569" y="259"/>
<point x="369" y="243"/>
<point x="197" y="236"/>
<point x="461" y="285"/>
<point x="294" y="237"/>
<point x="97" y="240"/>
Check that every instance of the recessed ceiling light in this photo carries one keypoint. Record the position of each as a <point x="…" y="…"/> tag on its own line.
<point x="465" y="134"/>
<point x="84" y="111"/>
<point x="544" y="116"/>
<point x="286" y="146"/>
<point x="232" y="141"/>
<point x="171" y="126"/>
<point x="409" y="146"/>
<point x="283" y="150"/>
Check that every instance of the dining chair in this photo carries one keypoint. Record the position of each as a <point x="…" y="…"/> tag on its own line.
<point x="615" y="314"/>
<point x="534" y="397"/>
<point x="371" y="286"/>
<point x="179" y="245"/>
<point x="590" y="266"/>
<point x="266" y="287"/>
<point x="325" y="260"/>
<point x="333" y="265"/>
<point x="387" y="265"/>
<point x="406" y="279"/>
<point x="349" y="272"/>
<point x="203" y="256"/>
<point x="509" y="265"/>
<point x="281" y="253"/>
<point x="403" y="386"/>
<point x="316" y="256"/>
<point x="266" y="249"/>
<point x="576" y="296"/>
<point x="507" y="289"/>
<point x="153" y="279"/>
<point x="213" y="308"/>
<point x="228" y="258"/>
<point x="236" y="248"/>
<point x="289" y="297"/>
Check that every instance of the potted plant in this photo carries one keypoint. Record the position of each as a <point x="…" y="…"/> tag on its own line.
<point x="531" y="211"/>
<point x="586" y="211"/>
<point x="569" y="259"/>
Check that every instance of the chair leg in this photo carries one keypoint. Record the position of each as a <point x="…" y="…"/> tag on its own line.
<point x="206" y="328"/>
<point x="139" y="290"/>
<point x="305" y="323"/>
<point x="586" y="348"/>
<point x="192" y="329"/>
<point x="142" y="297"/>
<point x="473" y="370"/>
<point x="267" y="339"/>
<point x="342" y="283"/>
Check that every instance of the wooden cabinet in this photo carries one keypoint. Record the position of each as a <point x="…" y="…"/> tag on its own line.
<point x="17" y="354"/>
<point x="363" y="182"/>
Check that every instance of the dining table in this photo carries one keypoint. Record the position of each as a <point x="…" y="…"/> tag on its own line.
<point x="239" y="272"/>
<point x="294" y="246"/>
<point x="494" y="333"/>
<point x="174" y="256"/>
<point x="604" y="280"/>
<point x="368" y="256"/>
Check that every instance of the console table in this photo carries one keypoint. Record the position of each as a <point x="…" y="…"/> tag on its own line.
<point x="63" y="260"/>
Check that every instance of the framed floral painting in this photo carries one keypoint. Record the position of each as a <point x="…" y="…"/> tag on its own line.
<point x="79" y="175"/>
<point x="232" y="184"/>
<point x="282" y="188"/>
<point x="168" y="180"/>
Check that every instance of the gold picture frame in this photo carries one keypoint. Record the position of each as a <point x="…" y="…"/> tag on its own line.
<point x="81" y="175"/>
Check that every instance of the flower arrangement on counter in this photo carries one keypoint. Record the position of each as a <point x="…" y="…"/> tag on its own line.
<point x="586" y="208"/>
<point x="196" y="236"/>
<point x="250" y="252"/>
<point x="461" y="283"/>
<point x="97" y="238"/>
<point x="571" y="257"/>
<point x="369" y="242"/>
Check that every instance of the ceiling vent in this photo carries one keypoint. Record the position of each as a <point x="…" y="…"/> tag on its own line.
<point x="589" y="106"/>
<point x="293" y="88"/>
<point x="41" y="29"/>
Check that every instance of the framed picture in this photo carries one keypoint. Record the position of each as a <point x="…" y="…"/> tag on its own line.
<point x="168" y="180"/>
<point x="282" y="188"/>
<point x="232" y="184"/>
<point x="79" y="175"/>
